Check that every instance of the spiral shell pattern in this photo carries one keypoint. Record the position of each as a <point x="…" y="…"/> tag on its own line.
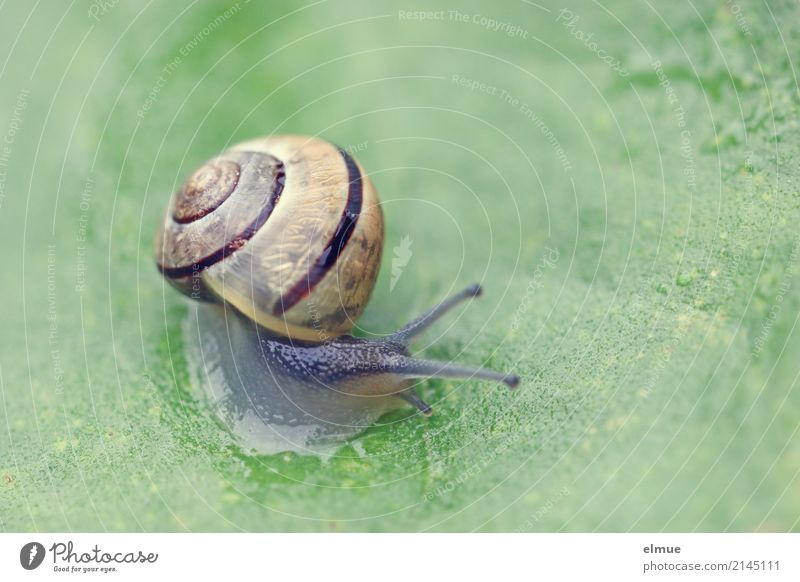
<point x="286" y="229"/>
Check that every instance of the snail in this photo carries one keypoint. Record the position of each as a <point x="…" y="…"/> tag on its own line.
<point x="279" y="239"/>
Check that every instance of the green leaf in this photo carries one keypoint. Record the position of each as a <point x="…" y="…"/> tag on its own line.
<point x="624" y="185"/>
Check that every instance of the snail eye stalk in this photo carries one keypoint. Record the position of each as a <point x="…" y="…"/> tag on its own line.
<point x="412" y="368"/>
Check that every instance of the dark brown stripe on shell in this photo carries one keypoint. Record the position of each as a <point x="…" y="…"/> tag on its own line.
<point x="334" y="248"/>
<point x="237" y="241"/>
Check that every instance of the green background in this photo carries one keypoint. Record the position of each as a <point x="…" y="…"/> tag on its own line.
<point x="658" y="351"/>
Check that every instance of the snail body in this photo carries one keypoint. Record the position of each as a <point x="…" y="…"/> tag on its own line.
<point x="281" y="238"/>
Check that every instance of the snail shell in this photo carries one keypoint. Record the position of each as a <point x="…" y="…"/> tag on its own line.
<point x="267" y="225"/>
